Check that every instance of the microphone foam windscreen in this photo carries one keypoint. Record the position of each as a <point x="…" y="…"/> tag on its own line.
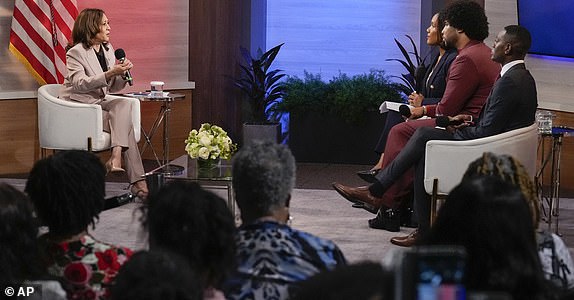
<point x="405" y="110"/>
<point x="442" y="121"/>
<point x="120" y="53"/>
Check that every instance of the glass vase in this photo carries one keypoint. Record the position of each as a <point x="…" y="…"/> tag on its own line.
<point x="206" y="166"/>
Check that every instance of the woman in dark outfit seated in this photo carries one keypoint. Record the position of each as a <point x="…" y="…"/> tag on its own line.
<point x="430" y="88"/>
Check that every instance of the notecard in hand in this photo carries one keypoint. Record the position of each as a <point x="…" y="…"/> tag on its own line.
<point x="389" y="105"/>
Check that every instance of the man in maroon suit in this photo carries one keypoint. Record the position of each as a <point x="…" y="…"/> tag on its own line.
<point x="470" y="79"/>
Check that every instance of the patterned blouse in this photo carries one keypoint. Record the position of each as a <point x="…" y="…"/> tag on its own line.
<point x="272" y="258"/>
<point x="87" y="266"/>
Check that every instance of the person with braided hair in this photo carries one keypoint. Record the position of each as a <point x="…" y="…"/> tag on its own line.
<point x="557" y="262"/>
<point x="68" y="190"/>
<point x="509" y="170"/>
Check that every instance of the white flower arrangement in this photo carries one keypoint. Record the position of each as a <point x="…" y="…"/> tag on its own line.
<point x="210" y="142"/>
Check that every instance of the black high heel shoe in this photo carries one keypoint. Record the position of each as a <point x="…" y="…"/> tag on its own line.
<point x="389" y="219"/>
<point x="369" y="176"/>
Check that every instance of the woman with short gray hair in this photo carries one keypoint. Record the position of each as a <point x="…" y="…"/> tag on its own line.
<point x="272" y="257"/>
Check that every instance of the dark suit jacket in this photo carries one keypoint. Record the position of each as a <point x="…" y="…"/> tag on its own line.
<point x="470" y="79"/>
<point x="434" y="87"/>
<point x="511" y="105"/>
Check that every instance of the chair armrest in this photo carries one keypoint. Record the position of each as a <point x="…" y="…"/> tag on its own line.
<point x="448" y="160"/>
<point x="65" y="124"/>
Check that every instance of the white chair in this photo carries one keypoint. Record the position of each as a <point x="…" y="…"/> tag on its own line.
<point x="68" y="125"/>
<point x="446" y="161"/>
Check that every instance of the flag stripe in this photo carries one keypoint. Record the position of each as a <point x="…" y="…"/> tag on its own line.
<point x="30" y="61"/>
<point x="40" y="32"/>
<point x="32" y="47"/>
<point x="32" y="36"/>
<point x="38" y="13"/>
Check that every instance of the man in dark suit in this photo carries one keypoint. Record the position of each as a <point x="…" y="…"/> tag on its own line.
<point x="511" y="105"/>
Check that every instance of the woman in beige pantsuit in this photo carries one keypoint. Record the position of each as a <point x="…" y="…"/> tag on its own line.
<point x="92" y="74"/>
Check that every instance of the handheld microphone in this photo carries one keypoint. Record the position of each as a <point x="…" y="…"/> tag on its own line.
<point x="121" y="56"/>
<point x="120" y="200"/>
<point x="405" y="111"/>
<point x="444" y="121"/>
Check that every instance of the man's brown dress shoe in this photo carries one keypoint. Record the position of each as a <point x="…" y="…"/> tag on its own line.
<point x="407" y="240"/>
<point x="359" y="195"/>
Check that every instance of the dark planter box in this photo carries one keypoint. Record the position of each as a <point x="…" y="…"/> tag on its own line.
<point x="269" y="132"/>
<point x="328" y="139"/>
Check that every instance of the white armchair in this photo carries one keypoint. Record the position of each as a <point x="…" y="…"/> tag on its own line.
<point x="67" y="125"/>
<point x="446" y="161"/>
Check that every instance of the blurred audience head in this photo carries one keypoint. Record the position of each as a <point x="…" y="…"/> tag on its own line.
<point x="19" y="252"/>
<point x="362" y="281"/>
<point x="491" y="219"/>
<point x="68" y="191"/>
<point x="185" y="219"/>
<point x="263" y="179"/>
<point x="156" y="275"/>
<point x="509" y="170"/>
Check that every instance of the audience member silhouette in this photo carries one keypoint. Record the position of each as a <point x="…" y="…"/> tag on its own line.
<point x="20" y="257"/>
<point x="556" y="260"/>
<point x="272" y="257"/>
<point x="68" y="191"/>
<point x="491" y="219"/>
<point x="156" y="275"/>
<point x="185" y="219"/>
<point x="362" y="281"/>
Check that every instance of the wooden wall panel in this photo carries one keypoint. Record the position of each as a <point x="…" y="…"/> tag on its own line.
<point x="214" y="32"/>
<point x="567" y="155"/>
<point x="19" y="135"/>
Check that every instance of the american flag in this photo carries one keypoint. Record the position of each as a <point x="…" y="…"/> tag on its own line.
<point x="40" y="33"/>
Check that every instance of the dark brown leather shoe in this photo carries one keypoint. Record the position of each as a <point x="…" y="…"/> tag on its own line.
<point x="407" y="240"/>
<point x="359" y="195"/>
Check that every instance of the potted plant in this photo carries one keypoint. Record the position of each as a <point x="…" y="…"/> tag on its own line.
<point x="415" y="73"/>
<point x="263" y="90"/>
<point x="336" y="121"/>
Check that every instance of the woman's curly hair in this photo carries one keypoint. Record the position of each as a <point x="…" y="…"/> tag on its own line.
<point x="68" y="190"/>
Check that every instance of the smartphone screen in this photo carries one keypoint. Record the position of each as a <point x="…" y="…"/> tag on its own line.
<point x="440" y="277"/>
<point x="433" y="272"/>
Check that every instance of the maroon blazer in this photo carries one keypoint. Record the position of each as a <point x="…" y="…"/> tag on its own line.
<point x="470" y="79"/>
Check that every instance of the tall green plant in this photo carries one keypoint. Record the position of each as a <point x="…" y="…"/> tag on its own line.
<point x="261" y="85"/>
<point x="410" y="78"/>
